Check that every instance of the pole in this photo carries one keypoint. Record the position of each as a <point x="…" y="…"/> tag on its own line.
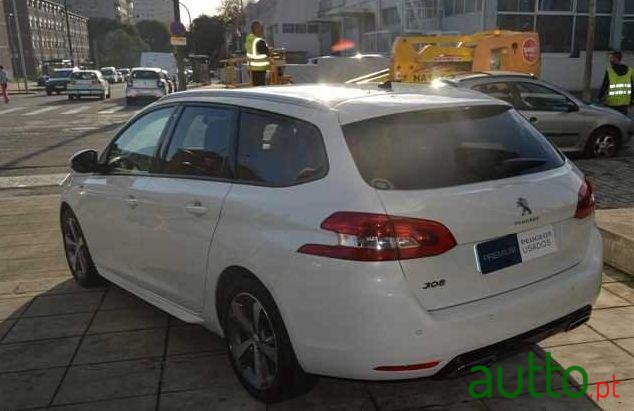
<point x="70" y="40"/>
<point x="20" y="46"/>
<point x="587" y="78"/>
<point x="180" y="58"/>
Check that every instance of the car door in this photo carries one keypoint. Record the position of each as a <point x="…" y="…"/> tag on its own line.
<point x="183" y="205"/>
<point x="553" y="113"/>
<point x="110" y="212"/>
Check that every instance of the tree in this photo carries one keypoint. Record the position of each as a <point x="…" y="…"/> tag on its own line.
<point x="231" y="12"/>
<point x="207" y="36"/>
<point x="155" y="34"/>
<point x="113" y="43"/>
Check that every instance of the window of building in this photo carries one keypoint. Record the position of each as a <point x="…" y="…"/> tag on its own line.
<point x="300" y="28"/>
<point x="517" y="22"/>
<point x="288" y="28"/>
<point x="555" y="5"/>
<point x="313" y="28"/>
<point x="459" y="7"/>
<point x="390" y="16"/>
<point x="516" y="5"/>
<point x="603" y="6"/>
<point x="555" y="33"/>
<point x="629" y="7"/>
<point x="627" y="42"/>
<point x="601" y="35"/>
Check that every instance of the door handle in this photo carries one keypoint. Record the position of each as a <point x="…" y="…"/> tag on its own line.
<point x="196" y="208"/>
<point x="132" y="202"/>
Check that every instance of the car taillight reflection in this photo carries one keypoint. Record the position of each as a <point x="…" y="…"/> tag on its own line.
<point x="586" y="202"/>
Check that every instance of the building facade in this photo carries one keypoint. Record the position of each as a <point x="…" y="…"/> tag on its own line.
<point x="5" y="43"/>
<point x="44" y="35"/>
<point x="121" y="10"/>
<point x="292" y="25"/>
<point x="160" y="10"/>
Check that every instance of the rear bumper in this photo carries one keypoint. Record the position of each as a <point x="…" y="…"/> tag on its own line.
<point x="85" y="92"/>
<point x="386" y="326"/>
<point x="144" y="93"/>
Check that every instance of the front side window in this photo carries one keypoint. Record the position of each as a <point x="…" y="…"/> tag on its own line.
<point x="539" y="98"/>
<point x="201" y="143"/>
<point x="450" y="147"/>
<point x="500" y="91"/>
<point x="279" y="151"/>
<point x="134" y="150"/>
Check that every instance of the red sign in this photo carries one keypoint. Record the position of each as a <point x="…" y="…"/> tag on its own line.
<point x="530" y="50"/>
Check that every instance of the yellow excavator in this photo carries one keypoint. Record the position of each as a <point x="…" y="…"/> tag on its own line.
<point x="421" y="59"/>
<point x="275" y="76"/>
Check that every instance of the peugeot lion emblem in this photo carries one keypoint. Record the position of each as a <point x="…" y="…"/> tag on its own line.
<point x="523" y="204"/>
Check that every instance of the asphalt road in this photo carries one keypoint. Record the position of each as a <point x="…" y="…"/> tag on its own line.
<point x="38" y="133"/>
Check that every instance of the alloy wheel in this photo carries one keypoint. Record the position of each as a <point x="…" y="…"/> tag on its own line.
<point x="252" y="341"/>
<point x="604" y="146"/>
<point x="75" y="247"/>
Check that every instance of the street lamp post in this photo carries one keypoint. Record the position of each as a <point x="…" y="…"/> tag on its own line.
<point x="20" y="46"/>
<point x="70" y="40"/>
<point x="180" y="58"/>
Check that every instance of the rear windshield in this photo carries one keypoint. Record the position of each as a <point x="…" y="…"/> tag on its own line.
<point x="442" y="148"/>
<point x="84" y="75"/>
<point x="107" y="72"/>
<point x="62" y="73"/>
<point x="145" y="75"/>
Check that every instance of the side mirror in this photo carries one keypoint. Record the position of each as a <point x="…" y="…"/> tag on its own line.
<point x="85" y="161"/>
<point x="572" y="107"/>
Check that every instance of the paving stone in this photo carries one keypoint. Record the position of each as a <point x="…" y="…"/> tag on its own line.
<point x="614" y="322"/>
<point x="37" y="354"/>
<point x="192" y="339"/>
<point x="461" y="406"/>
<point x="94" y="382"/>
<point x="121" y="346"/>
<point x="611" y="275"/>
<point x="29" y="389"/>
<point x="217" y="398"/>
<point x="578" y="335"/>
<point x="625" y="290"/>
<point x="146" y="403"/>
<point x="40" y="328"/>
<point x="118" y="298"/>
<point x="528" y="403"/>
<point x="607" y="299"/>
<point x="128" y="319"/>
<point x="625" y="390"/>
<point x="627" y="344"/>
<point x="194" y="371"/>
<point x="601" y="360"/>
<point x="5" y="326"/>
<point x="54" y="283"/>
<point x="330" y="394"/>
<point x="64" y="304"/>
<point x="13" y="307"/>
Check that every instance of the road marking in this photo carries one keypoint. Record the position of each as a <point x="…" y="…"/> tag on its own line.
<point x="77" y="110"/>
<point x="43" y="180"/>
<point x="40" y="111"/>
<point x="11" y="110"/>
<point x="111" y="110"/>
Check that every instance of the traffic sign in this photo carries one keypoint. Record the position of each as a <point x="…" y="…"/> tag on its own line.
<point x="177" y="29"/>
<point x="178" y="41"/>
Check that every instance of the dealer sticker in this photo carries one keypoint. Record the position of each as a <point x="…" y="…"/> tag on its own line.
<point x="537" y="243"/>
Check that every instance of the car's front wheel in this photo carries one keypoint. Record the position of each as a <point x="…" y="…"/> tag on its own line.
<point x="76" y="250"/>
<point x="258" y="344"/>
<point x="604" y="142"/>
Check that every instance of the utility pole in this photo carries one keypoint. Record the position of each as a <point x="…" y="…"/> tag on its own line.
<point x="180" y="51"/>
<point x="587" y="78"/>
<point x="70" y="40"/>
<point x="20" y="46"/>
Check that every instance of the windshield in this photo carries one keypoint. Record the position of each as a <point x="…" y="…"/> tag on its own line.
<point x="145" y="75"/>
<point x="449" y="147"/>
<point x="62" y="73"/>
<point x="84" y="75"/>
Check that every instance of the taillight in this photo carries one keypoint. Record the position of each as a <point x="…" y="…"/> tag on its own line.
<point x="379" y="237"/>
<point x="586" y="202"/>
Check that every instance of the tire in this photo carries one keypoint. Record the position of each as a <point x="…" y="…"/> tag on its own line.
<point x="109" y="93"/>
<point x="57" y="92"/>
<point x="102" y="96"/>
<point x="603" y="142"/>
<point x="76" y="251"/>
<point x="49" y="92"/>
<point x="71" y="97"/>
<point x="282" y="376"/>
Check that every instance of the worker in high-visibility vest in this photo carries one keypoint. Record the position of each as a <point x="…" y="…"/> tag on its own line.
<point x="618" y="84"/>
<point x="257" y="54"/>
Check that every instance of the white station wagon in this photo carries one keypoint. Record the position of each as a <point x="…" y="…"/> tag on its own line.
<point x="339" y="231"/>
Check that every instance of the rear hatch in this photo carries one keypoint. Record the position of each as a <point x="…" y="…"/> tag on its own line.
<point x="144" y="79"/>
<point x="84" y="81"/>
<point x="501" y="189"/>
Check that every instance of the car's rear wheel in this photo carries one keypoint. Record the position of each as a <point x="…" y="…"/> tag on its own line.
<point x="258" y="344"/>
<point x="604" y="142"/>
<point x="76" y="250"/>
<point x="102" y="96"/>
<point x="57" y="92"/>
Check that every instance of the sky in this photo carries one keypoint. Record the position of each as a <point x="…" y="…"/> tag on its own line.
<point x="198" y="7"/>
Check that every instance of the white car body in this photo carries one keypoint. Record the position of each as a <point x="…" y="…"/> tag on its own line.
<point x="110" y="74"/>
<point x="146" y="88"/>
<point x="80" y="85"/>
<point x="344" y="318"/>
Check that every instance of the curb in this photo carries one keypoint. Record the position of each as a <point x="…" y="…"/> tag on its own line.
<point x="617" y="228"/>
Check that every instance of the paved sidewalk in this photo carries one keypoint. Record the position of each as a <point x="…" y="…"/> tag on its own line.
<point x="65" y="347"/>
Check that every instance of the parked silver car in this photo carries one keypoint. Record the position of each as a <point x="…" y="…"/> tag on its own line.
<point x="568" y="122"/>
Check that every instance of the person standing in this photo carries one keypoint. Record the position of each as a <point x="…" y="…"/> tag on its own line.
<point x="4" y="84"/>
<point x="617" y="84"/>
<point x="257" y="54"/>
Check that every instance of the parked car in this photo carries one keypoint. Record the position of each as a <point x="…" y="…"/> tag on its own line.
<point x="568" y="122"/>
<point x="339" y="231"/>
<point x="41" y="80"/>
<point x="86" y="83"/>
<point x="125" y="73"/>
<point x="146" y="83"/>
<point x="58" y="81"/>
<point x="110" y="74"/>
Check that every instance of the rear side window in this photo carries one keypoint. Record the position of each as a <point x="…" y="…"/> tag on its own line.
<point x="201" y="143"/>
<point x="279" y="151"/>
<point x="145" y="75"/>
<point x="443" y="148"/>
